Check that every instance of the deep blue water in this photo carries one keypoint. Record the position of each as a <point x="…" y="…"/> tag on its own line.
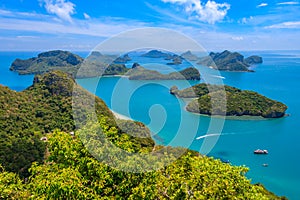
<point x="11" y="79"/>
<point x="150" y="102"/>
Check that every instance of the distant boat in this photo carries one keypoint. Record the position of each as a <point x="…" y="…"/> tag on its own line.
<point x="265" y="165"/>
<point x="259" y="151"/>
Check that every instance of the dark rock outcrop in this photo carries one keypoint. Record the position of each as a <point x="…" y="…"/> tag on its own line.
<point x="228" y="61"/>
<point x="189" y="56"/>
<point x="174" y="90"/>
<point x="156" y="54"/>
<point x="177" y="60"/>
<point x="252" y="60"/>
<point x="123" y="59"/>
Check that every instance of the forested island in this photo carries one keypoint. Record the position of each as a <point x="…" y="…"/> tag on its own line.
<point x="54" y="60"/>
<point x="157" y="54"/>
<point x="224" y="61"/>
<point x="176" y="60"/>
<point x="140" y="73"/>
<point x="239" y="102"/>
<point x="41" y="159"/>
<point x="228" y="61"/>
<point x="97" y="64"/>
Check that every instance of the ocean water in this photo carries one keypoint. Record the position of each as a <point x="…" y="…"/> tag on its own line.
<point x="11" y="79"/>
<point x="150" y="102"/>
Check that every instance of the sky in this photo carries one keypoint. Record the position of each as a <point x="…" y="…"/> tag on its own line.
<point x="77" y="25"/>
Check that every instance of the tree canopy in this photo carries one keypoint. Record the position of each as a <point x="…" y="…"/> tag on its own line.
<point x="82" y="166"/>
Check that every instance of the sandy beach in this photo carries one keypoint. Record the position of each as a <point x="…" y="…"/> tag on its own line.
<point x="120" y="116"/>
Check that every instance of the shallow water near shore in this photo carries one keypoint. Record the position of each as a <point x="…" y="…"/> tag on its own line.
<point x="277" y="78"/>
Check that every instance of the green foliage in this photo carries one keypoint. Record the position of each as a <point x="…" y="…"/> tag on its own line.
<point x="95" y="65"/>
<point x="51" y="60"/>
<point x="71" y="173"/>
<point x="70" y="170"/>
<point x="190" y="73"/>
<point x="40" y="109"/>
<point x="19" y="137"/>
<point x="203" y="89"/>
<point x="140" y="73"/>
<point x="156" y="54"/>
<point x="229" y="61"/>
<point x="11" y="186"/>
<point x="210" y="100"/>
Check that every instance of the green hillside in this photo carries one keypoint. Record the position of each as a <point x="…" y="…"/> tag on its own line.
<point x="83" y="177"/>
<point x="63" y="168"/>
<point x="27" y="116"/>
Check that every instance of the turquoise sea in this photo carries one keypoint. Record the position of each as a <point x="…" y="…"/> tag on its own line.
<point x="150" y="102"/>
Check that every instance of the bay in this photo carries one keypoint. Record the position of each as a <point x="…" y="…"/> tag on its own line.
<point x="150" y="102"/>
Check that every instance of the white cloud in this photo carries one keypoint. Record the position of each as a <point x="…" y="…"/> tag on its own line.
<point x="262" y="5"/>
<point x="245" y="20"/>
<point x="27" y="37"/>
<point x="211" y="12"/>
<point x="61" y="8"/>
<point x="167" y="14"/>
<point x="39" y="23"/>
<point x="86" y="16"/>
<point x="288" y="3"/>
<point x="84" y="34"/>
<point x="237" y="38"/>
<point x="285" y="25"/>
<point x="8" y="13"/>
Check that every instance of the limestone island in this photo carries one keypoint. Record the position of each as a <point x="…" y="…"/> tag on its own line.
<point x="156" y="54"/>
<point x="239" y="102"/>
<point x="51" y="60"/>
<point x="138" y="72"/>
<point x="228" y="61"/>
<point x="176" y="60"/>
<point x="123" y="59"/>
<point x="95" y="65"/>
<point x="189" y="56"/>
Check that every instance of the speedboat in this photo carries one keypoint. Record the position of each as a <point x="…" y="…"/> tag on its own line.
<point x="259" y="151"/>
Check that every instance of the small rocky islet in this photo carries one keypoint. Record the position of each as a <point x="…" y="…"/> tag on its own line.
<point x="209" y="100"/>
<point x="230" y="61"/>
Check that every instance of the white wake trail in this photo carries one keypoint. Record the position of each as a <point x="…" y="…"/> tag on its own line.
<point x="212" y="135"/>
<point x="208" y="135"/>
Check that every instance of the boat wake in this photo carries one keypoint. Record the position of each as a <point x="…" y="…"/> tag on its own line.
<point x="208" y="135"/>
<point x="213" y="135"/>
<point x="221" y="77"/>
